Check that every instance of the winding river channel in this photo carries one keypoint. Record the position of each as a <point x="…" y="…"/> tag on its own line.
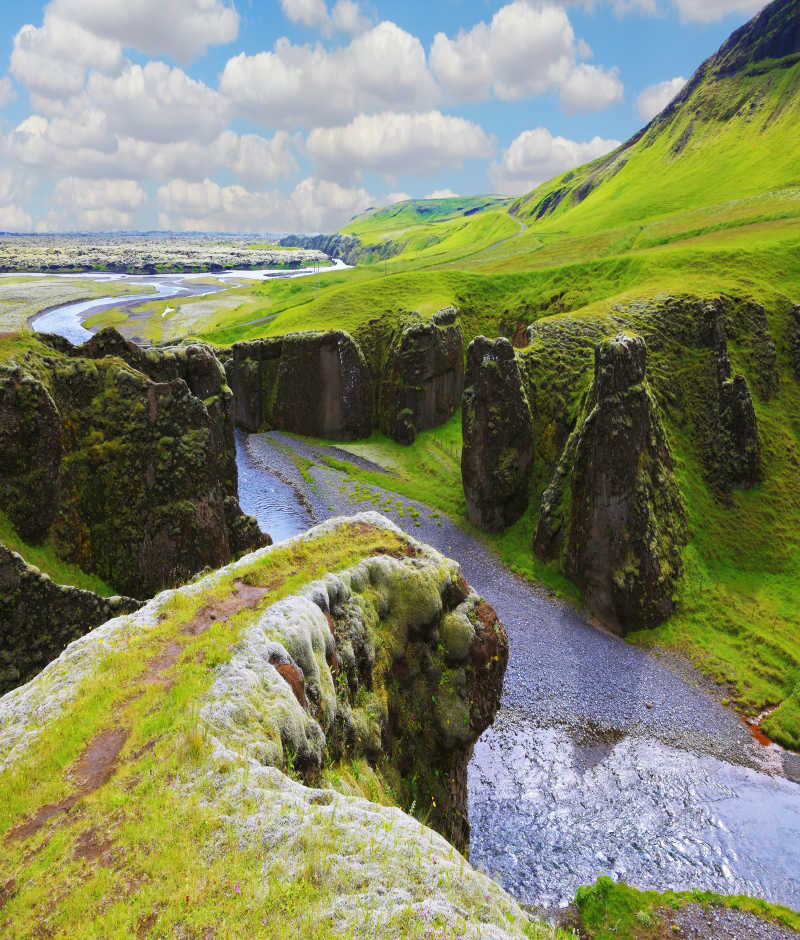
<point x="603" y="760"/>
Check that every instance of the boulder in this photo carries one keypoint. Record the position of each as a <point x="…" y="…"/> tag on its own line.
<point x="497" y="456"/>
<point x="613" y="514"/>
<point x="423" y="380"/>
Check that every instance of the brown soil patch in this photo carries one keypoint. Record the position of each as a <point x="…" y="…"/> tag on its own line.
<point x="95" y="767"/>
<point x="294" y="676"/>
<point x="7" y="891"/>
<point x="757" y="733"/>
<point x="487" y="644"/>
<point x="146" y="924"/>
<point x="245" y="597"/>
<point x="161" y="663"/>
<point x="93" y="846"/>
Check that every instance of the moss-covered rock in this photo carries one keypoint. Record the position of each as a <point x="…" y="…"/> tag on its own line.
<point x="793" y="340"/>
<point x="423" y="379"/>
<point x="219" y="723"/>
<point x="136" y="475"/>
<point x="316" y="384"/>
<point x="497" y="428"/>
<point x="613" y="514"/>
<point x="38" y="618"/>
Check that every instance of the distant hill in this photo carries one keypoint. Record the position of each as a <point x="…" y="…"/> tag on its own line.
<point x="731" y="132"/>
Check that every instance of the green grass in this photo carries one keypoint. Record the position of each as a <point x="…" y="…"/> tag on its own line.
<point x="45" y="559"/>
<point x="609" y="910"/>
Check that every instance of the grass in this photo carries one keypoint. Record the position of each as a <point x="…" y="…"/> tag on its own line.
<point x="45" y="559"/>
<point x="610" y="910"/>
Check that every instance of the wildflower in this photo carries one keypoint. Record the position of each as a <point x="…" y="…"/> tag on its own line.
<point x="237" y="889"/>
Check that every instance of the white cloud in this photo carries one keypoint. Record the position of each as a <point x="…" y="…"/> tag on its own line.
<point x="95" y="204"/>
<point x="524" y="51"/>
<point x="14" y="189"/>
<point x="536" y="156"/>
<point x="51" y="61"/>
<point x="442" y="194"/>
<point x="182" y="29"/>
<point x="158" y="103"/>
<point x="346" y="15"/>
<point x="7" y="92"/>
<point x="655" y="98"/>
<point x="314" y="205"/>
<point x="393" y="198"/>
<point x="706" y="11"/>
<point x="309" y="86"/>
<point x="588" y="88"/>
<point x="390" y="143"/>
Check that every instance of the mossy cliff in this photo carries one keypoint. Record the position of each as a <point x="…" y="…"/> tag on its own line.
<point x="38" y="618"/>
<point x="613" y="513"/>
<point x="423" y="379"/>
<point x="497" y="429"/>
<point x="124" y="457"/>
<point x="401" y="376"/>
<point x="201" y="766"/>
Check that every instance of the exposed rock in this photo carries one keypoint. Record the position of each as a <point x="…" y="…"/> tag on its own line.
<point x="733" y="452"/>
<point x="317" y="384"/>
<point x="38" y="618"/>
<point x="146" y="492"/>
<point x="498" y="437"/>
<point x="613" y="513"/>
<point x="352" y="674"/>
<point x="793" y="337"/>
<point x="423" y="380"/>
<point x="30" y="453"/>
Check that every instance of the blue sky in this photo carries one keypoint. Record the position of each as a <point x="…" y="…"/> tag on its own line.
<point x="294" y="115"/>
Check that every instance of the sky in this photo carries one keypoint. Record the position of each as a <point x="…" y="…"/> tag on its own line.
<point x="296" y="115"/>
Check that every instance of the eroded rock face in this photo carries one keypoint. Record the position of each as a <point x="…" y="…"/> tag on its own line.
<point x="424" y="378"/>
<point x="30" y="453"/>
<point x="145" y="493"/>
<point x="498" y="436"/>
<point x="317" y="384"/>
<point x="793" y="337"/>
<point x="38" y="618"/>
<point x="613" y="514"/>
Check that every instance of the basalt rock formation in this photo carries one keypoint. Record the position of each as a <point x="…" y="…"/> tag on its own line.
<point x="289" y="704"/>
<point x="38" y="618"/>
<point x="613" y="514"/>
<point x="423" y="380"/>
<point x="793" y="338"/>
<point x="134" y="466"/>
<point x="316" y="384"/>
<point x="497" y="456"/>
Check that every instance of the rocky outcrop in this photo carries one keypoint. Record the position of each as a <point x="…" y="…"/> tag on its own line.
<point x="30" y="453"/>
<point x="733" y="449"/>
<point x="613" y="514"/>
<point x="137" y="476"/>
<point x="423" y="380"/>
<point x="38" y="618"/>
<point x="793" y="340"/>
<point x="497" y="456"/>
<point x="298" y="701"/>
<point x="317" y="384"/>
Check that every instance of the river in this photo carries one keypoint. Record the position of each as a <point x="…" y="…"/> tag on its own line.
<point x="603" y="760"/>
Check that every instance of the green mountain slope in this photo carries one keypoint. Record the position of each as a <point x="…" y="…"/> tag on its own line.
<point x="731" y="133"/>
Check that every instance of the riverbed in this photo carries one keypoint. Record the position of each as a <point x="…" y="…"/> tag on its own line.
<point x="603" y="760"/>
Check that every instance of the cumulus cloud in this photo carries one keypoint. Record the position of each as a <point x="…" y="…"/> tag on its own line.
<point x="442" y="194"/>
<point x="709" y="10"/>
<point x="7" y="92"/>
<point x="182" y="29"/>
<point x="523" y="52"/>
<point x="51" y="61"/>
<point x="536" y="156"/>
<point x="314" y="205"/>
<point x="589" y="88"/>
<point x="346" y="15"/>
<point x="655" y="98"/>
<point x="96" y="204"/>
<point x="13" y="193"/>
<point x="310" y="86"/>
<point x="390" y="143"/>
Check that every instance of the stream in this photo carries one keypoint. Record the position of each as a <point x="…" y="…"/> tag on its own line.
<point x="603" y="759"/>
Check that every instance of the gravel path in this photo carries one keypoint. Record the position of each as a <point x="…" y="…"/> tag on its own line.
<point x="695" y="922"/>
